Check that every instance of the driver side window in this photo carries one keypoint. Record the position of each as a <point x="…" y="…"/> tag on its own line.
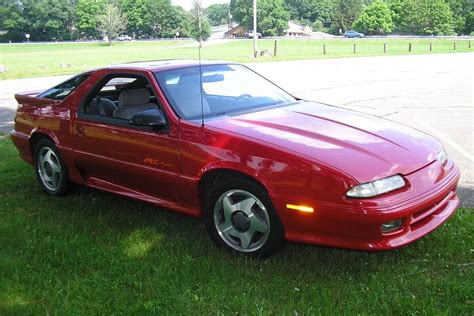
<point x="118" y="98"/>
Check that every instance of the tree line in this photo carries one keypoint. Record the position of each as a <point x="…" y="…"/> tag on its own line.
<point x="92" y="19"/>
<point x="373" y="17"/>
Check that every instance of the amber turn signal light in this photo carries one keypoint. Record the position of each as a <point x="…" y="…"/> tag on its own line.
<point x="301" y="208"/>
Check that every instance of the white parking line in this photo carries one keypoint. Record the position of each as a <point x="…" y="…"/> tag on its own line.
<point x="446" y="140"/>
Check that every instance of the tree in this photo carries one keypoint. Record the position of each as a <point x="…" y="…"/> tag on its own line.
<point x="43" y="20"/>
<point x="136" y="12"/>
<point x="154" y="18"/>
<point x="50" y="19"/>
<point x="71" y="19"/>
<point x="426" y="17"/>
<point x="13" y="21"/>
<point x="375" y="19"/>
<point x="272" y="17"/>
<point x="87" y="12"/>
<point x="200" y="28"/>
<point x="432" y="17"/>
<point x="217" y="14"/>
<point x="345" y="13"/>
<point x="400" y="11"/>
<point x="463" y="16"/>
<point x="182" y="22"/>
<point x="112" y="22"/>
<point x="163" y="19"/>
<point x="311" y="11"/>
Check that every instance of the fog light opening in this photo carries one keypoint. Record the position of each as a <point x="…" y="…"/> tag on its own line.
<point x="392" y="226"/>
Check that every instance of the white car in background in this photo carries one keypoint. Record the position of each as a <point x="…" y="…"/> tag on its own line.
<point x="124" y="38"/>
<point x="249" y="34"/>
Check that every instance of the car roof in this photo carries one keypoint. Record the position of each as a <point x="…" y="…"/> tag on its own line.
<point x="166" y="64"/>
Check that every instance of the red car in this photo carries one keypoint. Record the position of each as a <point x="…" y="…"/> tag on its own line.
<point x="220" y="142"/>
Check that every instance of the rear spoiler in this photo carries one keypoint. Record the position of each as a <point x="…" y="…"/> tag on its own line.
<point x="31" y="98"/>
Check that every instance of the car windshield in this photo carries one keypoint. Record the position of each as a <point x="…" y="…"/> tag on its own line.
<point x="226" y="89"/>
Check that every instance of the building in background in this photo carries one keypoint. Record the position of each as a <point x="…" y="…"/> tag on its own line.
<point x="298" y="30"/>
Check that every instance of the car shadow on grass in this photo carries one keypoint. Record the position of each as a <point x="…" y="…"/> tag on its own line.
<point x="143" y="232"/>
<point x="106" y="246"/>
<point x="146" y="230"/>
<point x="92" y="252"/>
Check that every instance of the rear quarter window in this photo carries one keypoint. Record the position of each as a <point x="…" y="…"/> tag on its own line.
<point x="64" y="89"/>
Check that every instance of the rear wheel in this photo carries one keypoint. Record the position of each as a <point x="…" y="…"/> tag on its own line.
<point x="240" y="218"/>
<point x="50" y="169"/>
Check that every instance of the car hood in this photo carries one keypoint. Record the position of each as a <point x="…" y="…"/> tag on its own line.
<point x="363" y="146"/>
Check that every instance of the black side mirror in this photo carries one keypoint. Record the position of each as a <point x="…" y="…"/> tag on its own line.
<point x="153" y="118"/>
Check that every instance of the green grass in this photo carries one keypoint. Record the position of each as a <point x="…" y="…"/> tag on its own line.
<point x="23" y="61"/>
<point x="95" y="253"/>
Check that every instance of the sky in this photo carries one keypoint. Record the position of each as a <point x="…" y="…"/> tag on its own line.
<point x="187" y="4"/>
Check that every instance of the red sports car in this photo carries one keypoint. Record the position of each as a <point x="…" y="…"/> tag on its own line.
<point x="215" y="140"/>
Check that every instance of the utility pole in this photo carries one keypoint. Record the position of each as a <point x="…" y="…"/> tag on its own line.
<point x="255" y="37"/>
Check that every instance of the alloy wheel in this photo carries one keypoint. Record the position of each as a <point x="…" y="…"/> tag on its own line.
<point x="241" y="220"/>
<point x="49" y="168"/>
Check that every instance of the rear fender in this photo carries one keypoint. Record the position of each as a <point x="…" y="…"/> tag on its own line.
<point x="38" y="131"/>
<point x="67" y="154"/>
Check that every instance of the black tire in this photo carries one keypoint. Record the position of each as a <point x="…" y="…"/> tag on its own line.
<point x="275" y="238"/>
<point x="62" y="184"/>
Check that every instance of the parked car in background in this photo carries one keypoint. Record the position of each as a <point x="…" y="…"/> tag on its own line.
<point x="250" y="34"/>
<point x="353" y="34"/>
<point x="124" y="38"/>
<point x="215" y="140"/>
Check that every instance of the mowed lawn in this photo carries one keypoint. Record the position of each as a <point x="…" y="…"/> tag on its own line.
<point x="95" y="253"/>
<point x="32" y="60"/>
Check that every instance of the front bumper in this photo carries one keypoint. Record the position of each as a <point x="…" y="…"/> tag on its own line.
<point x="357" y="225"/>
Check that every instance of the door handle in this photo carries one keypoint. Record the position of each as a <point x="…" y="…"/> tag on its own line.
<point x="80" y="131"/>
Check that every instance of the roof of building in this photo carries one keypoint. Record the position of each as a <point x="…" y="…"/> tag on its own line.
<point x="295" y="27"/>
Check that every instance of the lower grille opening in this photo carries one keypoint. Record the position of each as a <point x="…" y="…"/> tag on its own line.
<point x="421" y="218"/>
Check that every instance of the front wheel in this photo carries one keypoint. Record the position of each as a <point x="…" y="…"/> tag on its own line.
<point x="50" y="169"/>
<point x="240" y="218"/>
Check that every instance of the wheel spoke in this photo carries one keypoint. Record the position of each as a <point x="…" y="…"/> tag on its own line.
<point x="245" y="239"/>
<point x="47" y="156"/>
<point x="228" y="229"/>
<point x="55" y="167"/>
<point x="245" y="206"/>
<point x="54" y="180"/>
<point x="258" y="225"/>
<point x="228" y="208"/>
<point x="45" y="176"/>
<point x="41" y="160"/>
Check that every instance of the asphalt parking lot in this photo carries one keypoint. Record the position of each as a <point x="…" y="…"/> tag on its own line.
<point x="433" y="93"/>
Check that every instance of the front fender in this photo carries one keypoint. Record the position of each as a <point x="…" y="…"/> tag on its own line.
<point x="239" y="168"/>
